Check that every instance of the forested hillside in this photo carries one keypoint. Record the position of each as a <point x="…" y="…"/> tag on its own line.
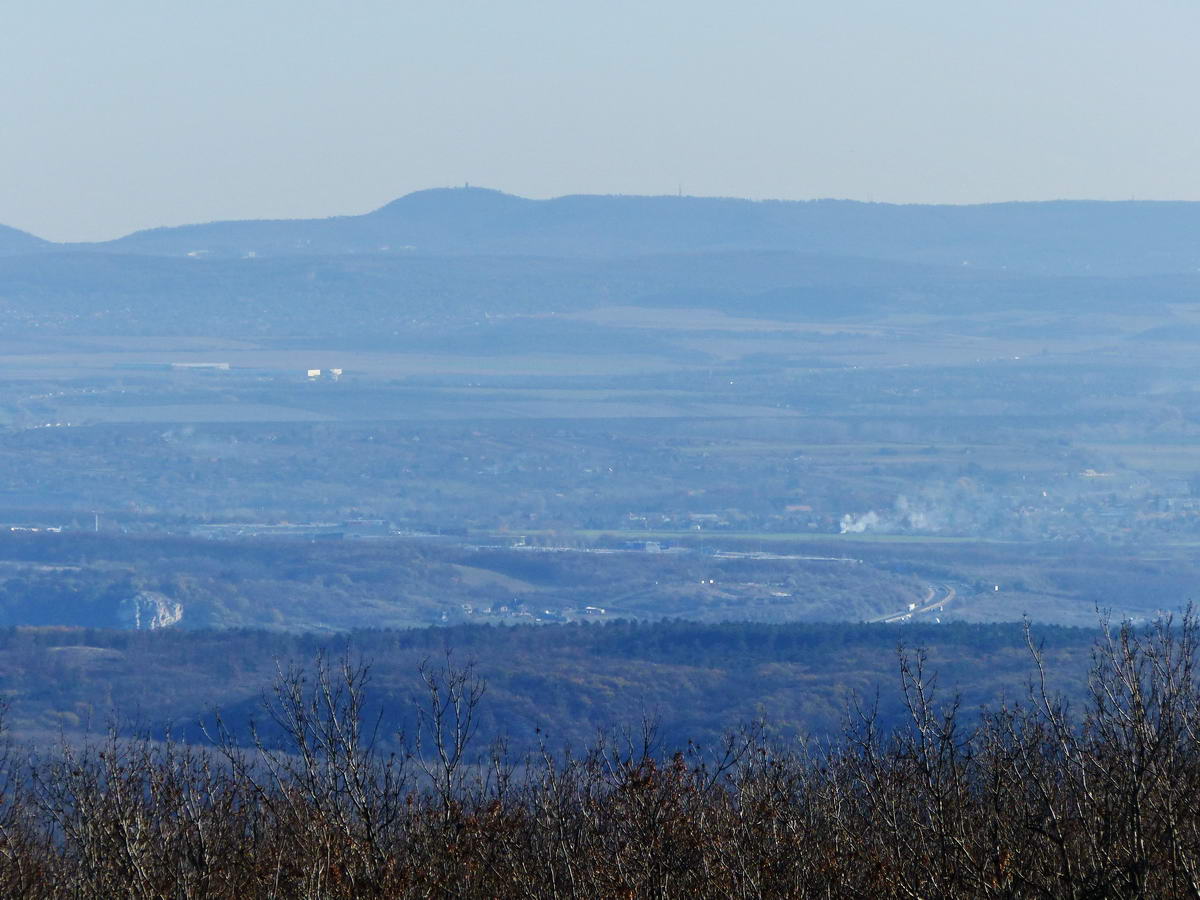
<point x="560" y="683"/>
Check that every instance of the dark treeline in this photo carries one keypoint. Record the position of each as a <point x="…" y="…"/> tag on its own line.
<point x="567" y="681"/>
<point x="1033" y="799"/>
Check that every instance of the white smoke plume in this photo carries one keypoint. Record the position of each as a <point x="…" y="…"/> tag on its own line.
<point x="852" y="524"/>
<point x="925" y="514"/>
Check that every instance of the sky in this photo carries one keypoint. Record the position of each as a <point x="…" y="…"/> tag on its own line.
<point x="131" y="114"/>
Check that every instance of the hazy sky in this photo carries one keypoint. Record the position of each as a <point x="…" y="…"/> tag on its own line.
<point x="133" y="113"/>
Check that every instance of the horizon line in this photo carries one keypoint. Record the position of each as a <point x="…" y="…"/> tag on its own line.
<point x="468" y="187"/>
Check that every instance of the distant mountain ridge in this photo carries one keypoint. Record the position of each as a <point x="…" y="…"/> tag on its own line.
<point x="14" y="241"/>
<point x="1053" y="237"/>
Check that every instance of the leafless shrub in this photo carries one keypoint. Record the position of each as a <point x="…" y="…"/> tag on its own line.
<point x="1032" y="800"/>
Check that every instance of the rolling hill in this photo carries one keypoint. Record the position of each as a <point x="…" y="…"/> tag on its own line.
<point x="1059" y="237"/>
<point x="14" y="241"/>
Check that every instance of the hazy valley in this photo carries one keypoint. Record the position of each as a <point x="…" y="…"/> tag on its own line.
<point x="471" y="409"/>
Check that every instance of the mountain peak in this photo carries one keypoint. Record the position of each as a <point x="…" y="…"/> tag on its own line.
<point x="453" y="202"/>
<point x="13" y="240"/>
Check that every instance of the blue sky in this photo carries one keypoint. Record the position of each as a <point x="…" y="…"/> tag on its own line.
<point x="130" y="113"/>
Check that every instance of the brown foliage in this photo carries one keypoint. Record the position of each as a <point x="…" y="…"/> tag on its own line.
<point x="1033" y="801"/>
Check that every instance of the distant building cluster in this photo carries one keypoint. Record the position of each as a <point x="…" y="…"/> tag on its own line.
<point x="324" y="374"/>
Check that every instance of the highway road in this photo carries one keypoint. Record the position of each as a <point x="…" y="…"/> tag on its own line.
<point x="929" y="603"/>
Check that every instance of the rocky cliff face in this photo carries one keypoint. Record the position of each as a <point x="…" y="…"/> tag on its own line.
<point x="148" y="610"/>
